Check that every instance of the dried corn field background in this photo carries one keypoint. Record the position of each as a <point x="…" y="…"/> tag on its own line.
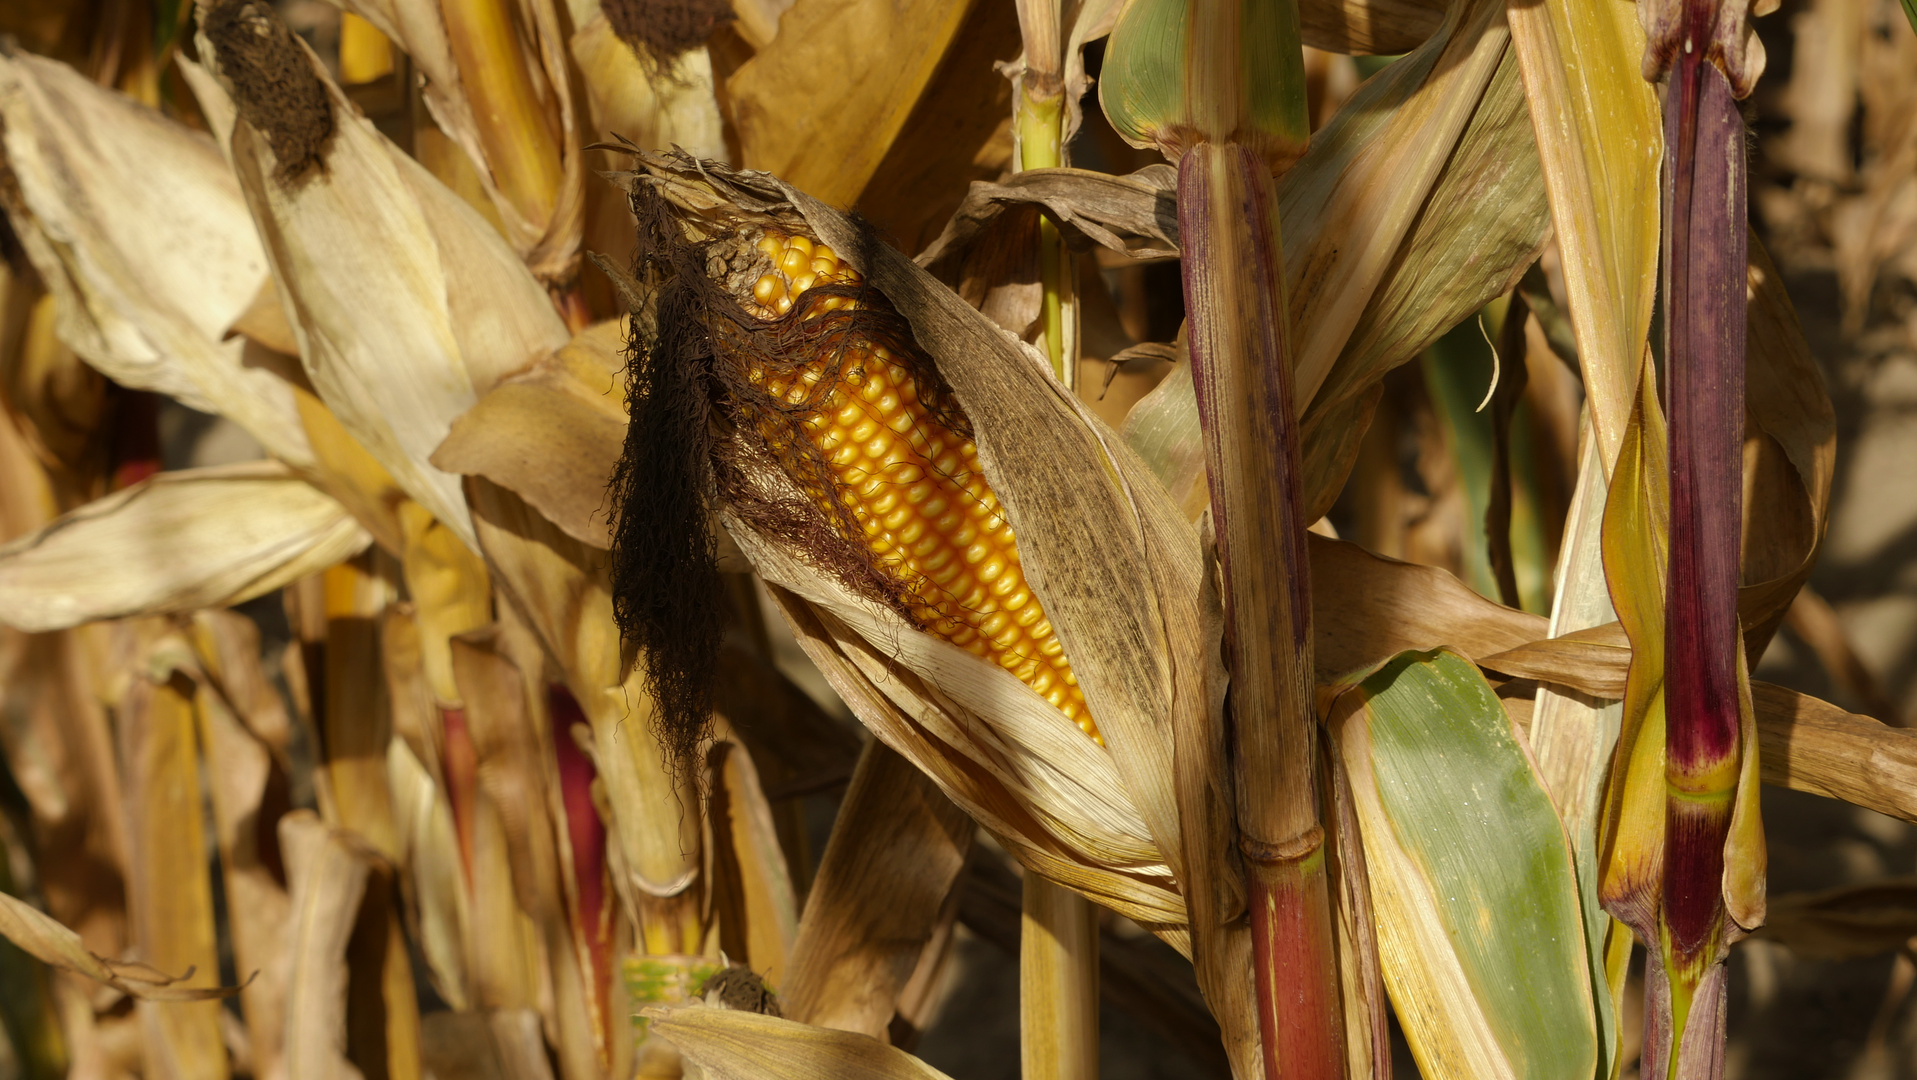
<point x="320" y="740"/>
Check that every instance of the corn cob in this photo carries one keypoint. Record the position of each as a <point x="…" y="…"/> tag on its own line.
<point x="910" y="483"/>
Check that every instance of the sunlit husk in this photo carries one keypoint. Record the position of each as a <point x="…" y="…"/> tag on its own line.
<point x="178" y="542"/>
<point x="141" y="233"/>
<point x="405" y="302"/>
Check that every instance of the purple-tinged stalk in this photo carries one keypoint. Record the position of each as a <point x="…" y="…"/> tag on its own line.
<point x="1218" y="87"/>
<point x="1705" y="267"/>
<point x="1241" y="369"/>
<point x="1705" y="260"/>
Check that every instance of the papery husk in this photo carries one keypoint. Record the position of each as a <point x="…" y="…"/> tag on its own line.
<point x="178" y="542"/>
<point x="549" y="247"/>
<point x="406" y="304"/>
<point x="141" y="234"/>
<point x="674" y="106"/>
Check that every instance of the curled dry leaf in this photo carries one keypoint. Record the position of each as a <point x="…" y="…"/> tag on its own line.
<point x="142" y="235"/>
<point x="51" y="943"/>
<point x="406" y="303"/>
<point x="178" y="542"/>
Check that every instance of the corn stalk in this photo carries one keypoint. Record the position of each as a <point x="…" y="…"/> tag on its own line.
<point x="1218" y="88"/>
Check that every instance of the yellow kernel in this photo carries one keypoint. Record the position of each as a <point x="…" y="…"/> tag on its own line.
<point x="992" y="570"/>
<point x="771" y="246"/>
<point x="768" y="289"/>
<point x="803" y="282"/>
<point x="800" y="244"/>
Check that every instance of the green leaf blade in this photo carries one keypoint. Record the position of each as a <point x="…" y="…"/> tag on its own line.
<point x="1462" y="803"/>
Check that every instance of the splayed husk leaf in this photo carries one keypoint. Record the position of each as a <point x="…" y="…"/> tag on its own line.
<point x="552" y="433"/>
<point x="1469" y="892"/>
<point x="178" y="542"/>
<point x="406" y="304"/>
<point x="141" y="234"/>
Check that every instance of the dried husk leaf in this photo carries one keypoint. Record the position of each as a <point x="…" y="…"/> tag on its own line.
<point x="552" y="433"/>
<point x="141" y="234"/>
<point x="894" y="857"/>
<point x="51" y="943"/>
<point x="406" y="304"/>
<point x="727" y="1044"/>
<point x="550" y="247"/>
<point x="674" y="106"/>
<point x="822" y="103"/>
<point x="177" y="542"/>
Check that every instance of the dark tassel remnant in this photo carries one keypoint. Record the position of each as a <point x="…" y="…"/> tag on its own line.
<point x="273" y="83"/>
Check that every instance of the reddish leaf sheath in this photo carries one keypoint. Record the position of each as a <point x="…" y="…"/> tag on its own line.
<point x="1705" y="259"/>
